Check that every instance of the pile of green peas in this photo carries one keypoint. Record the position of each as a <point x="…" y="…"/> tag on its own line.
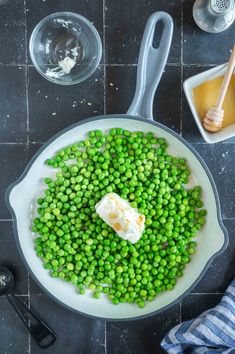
<point x="77" y="246"/>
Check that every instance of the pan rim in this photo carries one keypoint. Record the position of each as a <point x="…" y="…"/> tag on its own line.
<point x="106" y="117"/>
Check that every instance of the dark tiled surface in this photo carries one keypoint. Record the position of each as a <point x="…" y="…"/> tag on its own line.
<point x="125" y="22"/>
<point x="13" y="124"/>
<point x="33" y="285"/>
<point x="13" y="160"/>
<point x="12" y="32"/>
<point x="222" y="270"/>
<point x="194" y="305"/>
<point x="207" y="48"/>
<point x="220" y="158"/>
<point x="50" y="108"/>
<point x="141" y="336"/>
<point x="76" y="334"/>
<point x="59" y="107"/>
<point x="120" y="88"/>
<point x="9" y="257"/>
<point x="14" y="337"/>
<point x="168" y="111"/>
<point x="33" y="148"/>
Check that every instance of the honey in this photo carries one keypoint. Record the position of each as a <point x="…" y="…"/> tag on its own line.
<point x="205" y="96"/>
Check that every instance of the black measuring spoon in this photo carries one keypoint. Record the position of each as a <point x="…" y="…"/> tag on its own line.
<point x="38" y="329"/>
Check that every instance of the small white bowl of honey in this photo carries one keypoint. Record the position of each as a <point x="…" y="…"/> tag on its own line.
<point x="202" y="91"/>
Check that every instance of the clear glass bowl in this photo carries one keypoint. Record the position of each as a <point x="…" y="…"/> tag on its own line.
<point x="65" y="48"/>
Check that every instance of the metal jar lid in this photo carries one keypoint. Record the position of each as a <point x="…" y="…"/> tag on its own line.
<point x="214" y="16"/>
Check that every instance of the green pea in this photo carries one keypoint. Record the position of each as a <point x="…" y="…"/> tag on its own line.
<point x="77" y="246"/>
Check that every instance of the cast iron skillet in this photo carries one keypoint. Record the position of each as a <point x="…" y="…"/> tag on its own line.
<point x="20" y="196"/>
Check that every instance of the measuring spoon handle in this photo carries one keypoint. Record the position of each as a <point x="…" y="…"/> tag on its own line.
<point x="42" y="334"/>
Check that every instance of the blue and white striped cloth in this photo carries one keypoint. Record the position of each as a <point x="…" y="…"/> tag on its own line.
<point x="212" y="332"/>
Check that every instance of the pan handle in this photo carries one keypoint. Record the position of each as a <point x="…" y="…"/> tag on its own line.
<point x="151" y="64"/>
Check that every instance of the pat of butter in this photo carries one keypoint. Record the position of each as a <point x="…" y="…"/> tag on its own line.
<point x="125" y="220"/>
<point x="67" y="64"/>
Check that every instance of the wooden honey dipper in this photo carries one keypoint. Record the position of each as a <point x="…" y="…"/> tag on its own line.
<point x="214" y="117"/>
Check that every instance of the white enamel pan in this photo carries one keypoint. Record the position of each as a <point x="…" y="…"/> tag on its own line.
<point x="20" y="196"/>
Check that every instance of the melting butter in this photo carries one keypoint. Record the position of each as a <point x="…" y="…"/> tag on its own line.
<point x="205" y="96"/>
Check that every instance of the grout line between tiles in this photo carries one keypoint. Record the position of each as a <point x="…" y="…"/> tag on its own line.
<point x="182" y="33"/>
<point x="27" y="102"/>
<point x="26" y="35"/>
<point x="29" y="343"/>
<point x="36" y="142"/>
<point x="22" y="295"/>
<point x="206" y="294"/>
<point x="13" y="143"/>
<point x="29" y="308"/>
<point x="111" y="65"/>
<point x="200" y="65"/>
<point x="27" y="133"/>
<point x="104" y="54"/>
<point x="204" y="143"/>
<point x="105" y="337"/>
<point x="26" y="76"/>
<point x="225" y="218"/>
<point x="170" y="64"/>
<point x="126" y="64"/>
<point x="181" y="69"/>
<point x="29" y="348"/>
<point x="29" y="336"/>
<point x="104" y="89"/>
<point x="181" y="99"/>
<point x="173" y="64"/>
<point x="12" y="64"/>
<point x="28" y="281"/>
<point x="180" y="316"/>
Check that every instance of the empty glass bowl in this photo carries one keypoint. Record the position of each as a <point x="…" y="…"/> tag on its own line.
<point x="65" y="48"/>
